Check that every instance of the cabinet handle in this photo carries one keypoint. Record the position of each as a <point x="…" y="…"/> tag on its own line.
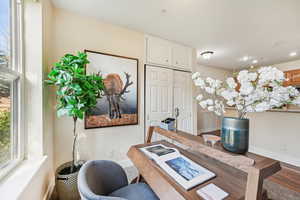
<point x="167" y="60"/>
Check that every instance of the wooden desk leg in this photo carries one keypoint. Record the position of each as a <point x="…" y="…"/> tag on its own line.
<point x="254" y="185"/>
<point x="149" y="134"/>
<point x="256" y="176"/>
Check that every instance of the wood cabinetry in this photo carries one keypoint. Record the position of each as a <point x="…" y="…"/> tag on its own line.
<point x="293" y="77"/>
<point x="165" y="53"/>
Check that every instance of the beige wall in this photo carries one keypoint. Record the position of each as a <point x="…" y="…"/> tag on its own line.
<point x="276" y="134"/>
<point x="71" y="33"/>
<point x="208" y="121"/>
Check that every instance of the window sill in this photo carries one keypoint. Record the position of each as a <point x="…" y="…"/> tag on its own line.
<point x="12" y="186"/>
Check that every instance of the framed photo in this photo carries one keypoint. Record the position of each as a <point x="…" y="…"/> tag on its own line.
<point x="182" y="169"/>
<point x="119" y="105"/>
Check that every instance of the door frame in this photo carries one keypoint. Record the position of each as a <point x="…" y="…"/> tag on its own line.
<point x="194" y="132"/>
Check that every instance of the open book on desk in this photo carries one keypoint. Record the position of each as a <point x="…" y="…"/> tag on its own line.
<point x="183" y="170"/>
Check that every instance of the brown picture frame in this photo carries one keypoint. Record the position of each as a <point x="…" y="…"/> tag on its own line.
<point x="130" y="120"/>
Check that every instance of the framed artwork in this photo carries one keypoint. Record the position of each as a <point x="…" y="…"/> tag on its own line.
<point x="119" y="105"/>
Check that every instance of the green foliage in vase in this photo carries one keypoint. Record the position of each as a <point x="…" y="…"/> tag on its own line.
<point x="77" y="92"/>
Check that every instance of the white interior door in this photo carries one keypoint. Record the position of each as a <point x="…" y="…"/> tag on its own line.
<point x="159" y="96"/>
<point x="183" y="100"/>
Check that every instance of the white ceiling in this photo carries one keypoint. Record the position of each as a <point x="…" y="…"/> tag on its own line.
<point x="266" y="30"/>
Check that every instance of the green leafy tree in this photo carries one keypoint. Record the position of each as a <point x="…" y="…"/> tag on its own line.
<point x="4" y="135"/>
<point x="77" y="92"/>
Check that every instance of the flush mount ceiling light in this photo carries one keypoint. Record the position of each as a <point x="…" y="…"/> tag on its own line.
<point x="254" y="62"/>
<point x="245" y="58"/>
<point x="293" y="54"/>
<point x="206" y="54"/>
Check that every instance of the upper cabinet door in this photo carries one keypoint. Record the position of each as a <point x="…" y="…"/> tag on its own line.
<point x="158" y="51"/>
<point x="181" y="57"/>
<point x="293" y="77"/>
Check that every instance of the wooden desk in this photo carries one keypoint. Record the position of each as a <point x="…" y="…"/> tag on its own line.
<point x="238" y="183"/>
<point x="168" y="189"/>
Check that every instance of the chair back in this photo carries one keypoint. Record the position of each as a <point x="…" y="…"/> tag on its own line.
<point x="98" y="178"/>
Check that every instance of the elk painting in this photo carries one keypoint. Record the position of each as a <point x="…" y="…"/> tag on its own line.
<point x="119" y="105"/>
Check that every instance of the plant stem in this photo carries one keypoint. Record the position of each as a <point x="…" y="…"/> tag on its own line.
<point x="74" y="144"/>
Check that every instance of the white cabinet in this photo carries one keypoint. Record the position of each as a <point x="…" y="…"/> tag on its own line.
<point x="165" y="53"/>
<point x="181" y="56"/>
<point x="158" y="51"/>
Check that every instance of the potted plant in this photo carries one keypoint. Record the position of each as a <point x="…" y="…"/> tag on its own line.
<point x="250" y="91"/>
<point x="77" y="94"/>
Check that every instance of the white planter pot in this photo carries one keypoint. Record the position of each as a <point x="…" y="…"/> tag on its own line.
<point x="66" y="183"/>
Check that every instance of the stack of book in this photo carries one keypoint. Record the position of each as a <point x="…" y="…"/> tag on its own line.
<point x="183" y="170"/>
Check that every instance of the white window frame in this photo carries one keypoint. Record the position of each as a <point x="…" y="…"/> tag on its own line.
<point x="16" y="73"/>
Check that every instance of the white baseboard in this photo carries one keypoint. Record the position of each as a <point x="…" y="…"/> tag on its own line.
<point x="49" y="190"/>
<point x="276" y="155"/>
<point x="125" y="163"/>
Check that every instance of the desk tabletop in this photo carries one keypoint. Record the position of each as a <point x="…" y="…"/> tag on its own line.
<point x="241" y="181"/>
<point x="231" y="180"/>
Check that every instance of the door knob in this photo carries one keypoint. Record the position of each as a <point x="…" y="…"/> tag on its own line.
<point x="176" y="112"/>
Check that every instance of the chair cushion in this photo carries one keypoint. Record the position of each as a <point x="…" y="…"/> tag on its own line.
<point x="138" y="191"/>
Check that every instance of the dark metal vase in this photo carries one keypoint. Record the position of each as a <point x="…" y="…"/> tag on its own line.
<point x="235" y="134"/>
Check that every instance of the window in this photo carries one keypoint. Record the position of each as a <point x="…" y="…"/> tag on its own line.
<point x="11" y="136"/>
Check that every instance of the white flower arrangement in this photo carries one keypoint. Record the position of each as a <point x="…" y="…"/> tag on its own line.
<point x="259" y="91"/>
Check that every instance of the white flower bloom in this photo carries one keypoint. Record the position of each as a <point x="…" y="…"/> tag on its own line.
<point x="210" y="90"/>
<point x="239" y="107"/>
<point x="211" y="108"/>
<point x="210" y="81"/>
<point x="210" y="102"/>
<point x="200" y="82"/>
<point x="275" y="103"/>
<point x="263" y="106"/>
<point x="280" y="94"/>
<point x="203" y="104"/>
<point x="199" y="97"/>
<point x="243" y="76"/>
<point x="218" y="83"/>
<point x="229" y="94"/>
<point x="297" y="101"/>
<point x="218" y="113"/>
<point x="293" y="91"/>
<point x="196" y="75"/>
<point x="270" y="74"/>
<point x="250" y="109"/>
<point x="246" y="88"/>
<point x="231" y="83"/>
<point x="252" y="76"/>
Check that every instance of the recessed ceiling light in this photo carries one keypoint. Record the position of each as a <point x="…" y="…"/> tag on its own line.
<point x="254" y="62"/>
<point x="293" y="54"/>
<point x="206" y="54"/>
<point x="245" y="58"/>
